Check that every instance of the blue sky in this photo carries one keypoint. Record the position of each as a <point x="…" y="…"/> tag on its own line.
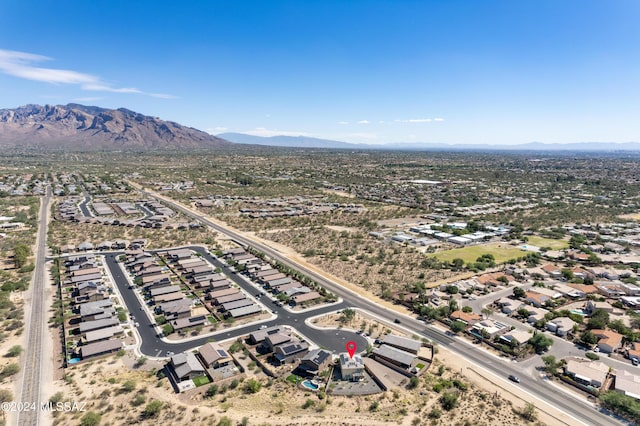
<point x="502" y="72"/>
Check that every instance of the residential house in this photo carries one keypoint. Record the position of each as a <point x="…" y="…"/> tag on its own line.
<point x="591" y="307"/>
<point x="305" y="297"/>
<point x="588" y="373"/>
<point x="182" y="323"/>
<point x="634" y="352"/>
<point x="403" y="343"/>
<point x="509" y="306"/>
<point x="535" y="314"/>
<point x="536" y="299"/>
<point x="627" y="384"/>
<point x="516" y="337"/>
<point x="488" y="328"/>
<point x="552" y="271"/>
<point x="214" y="356"/>
<point x="584" y="288"/>
<point x="351" y="369"/>
<point x="100" y="348"/>
<point x="561" y="325"/>
<point x="259" y="335"/>
<point x="315" y="361"/>
<point x="290" y="352"/>
<point x="186" y="366"/>
<point x="468" y="318"/>
<point x="273" y="340"/>
<point x="609" y="340"/>
<point x="394" y="357"/>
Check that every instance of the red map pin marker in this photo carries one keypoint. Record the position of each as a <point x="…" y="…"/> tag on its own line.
<point x="351" y="348"/>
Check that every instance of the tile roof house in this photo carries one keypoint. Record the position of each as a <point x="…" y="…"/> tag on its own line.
<point x="609" y="340"/>
<point x="634" y="352"/>
<point x="536" y="299"/>
<point x="469" y="318"/>
<point x="552" y="270"/>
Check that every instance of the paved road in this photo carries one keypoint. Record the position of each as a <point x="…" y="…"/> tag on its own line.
<point x="334" y="340"/>
<point x="579" y="409"/>
<point x="36" y="329"/>
<point x="84" y="208"/>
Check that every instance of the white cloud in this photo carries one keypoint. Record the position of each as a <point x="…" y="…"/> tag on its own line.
<point x="215" y="130"/>
<point x="363" y="122"/>
<point x="88" y="99"/>
<point x="343" y="122"/>
<point x="20" y="64"/>
<point x="261" y="131"/>
<point x="420" y="120"/>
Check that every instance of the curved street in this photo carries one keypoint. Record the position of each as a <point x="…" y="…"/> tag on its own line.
<point x="579" y="409"/>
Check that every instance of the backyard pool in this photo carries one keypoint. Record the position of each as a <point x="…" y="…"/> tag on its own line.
<point x="579" y="312"/>
<point x="74" y="360"/>
<point x="310" y="385"/>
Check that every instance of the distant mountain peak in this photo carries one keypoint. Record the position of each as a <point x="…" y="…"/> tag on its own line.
<point x="80" y="127"/>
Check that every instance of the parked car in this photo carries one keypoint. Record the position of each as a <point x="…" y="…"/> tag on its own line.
<point x="514" y="378"/>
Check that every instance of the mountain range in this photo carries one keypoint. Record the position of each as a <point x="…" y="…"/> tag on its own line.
<point x="309" y="142"/>
<point x="90" y="128"/>
<point x="79" y="127"/>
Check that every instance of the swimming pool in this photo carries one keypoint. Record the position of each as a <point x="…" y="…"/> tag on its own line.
<point x="74" y="360"/>
<point x="310" y="385"/>
<point x="578" y="311"/>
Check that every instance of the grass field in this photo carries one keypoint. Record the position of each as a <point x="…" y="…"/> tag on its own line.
<point x="500" y="251"/>
<point x="202" y="380"/>
<point x="548" y="242"/>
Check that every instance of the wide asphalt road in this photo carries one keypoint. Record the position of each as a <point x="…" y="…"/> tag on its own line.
<point x="152" y="345"/>
<point x="544" y="391"/>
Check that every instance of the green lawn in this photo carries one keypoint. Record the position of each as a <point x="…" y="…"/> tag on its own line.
<point x="202" y="380"/>
<point x="294" y="379"/>
<point x="500" y="251"/>
<point x="553" y="244"/>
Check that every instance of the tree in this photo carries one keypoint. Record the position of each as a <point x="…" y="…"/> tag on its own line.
<point x="167" y="329"/>
<point x="518" y="292"/>
<point x="5" y="396"/>
<point x="152" y="409"/>
<point x="347" y="315"/>
<point x="551" y="364"/>
<point x="487" y="312"/>
<point x="252" y="386"/>
<point x="589" y="338"/>
<point x="14" y="351"/>
<point x="9" y="370"/>
<point x="90" y="419"/>
<point x="21" y="253"/>
<point x="457" y="264"/>
<point x="540" y="342"/>
<point x="529" y="411"/>
<point x="449" y="400"/>
<point x="598" y="320"/>
<point x="457" y="326"/>
<point x="467" y="309"/>
<point x="413" y="382"/>
<point x="452" y="289"/>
